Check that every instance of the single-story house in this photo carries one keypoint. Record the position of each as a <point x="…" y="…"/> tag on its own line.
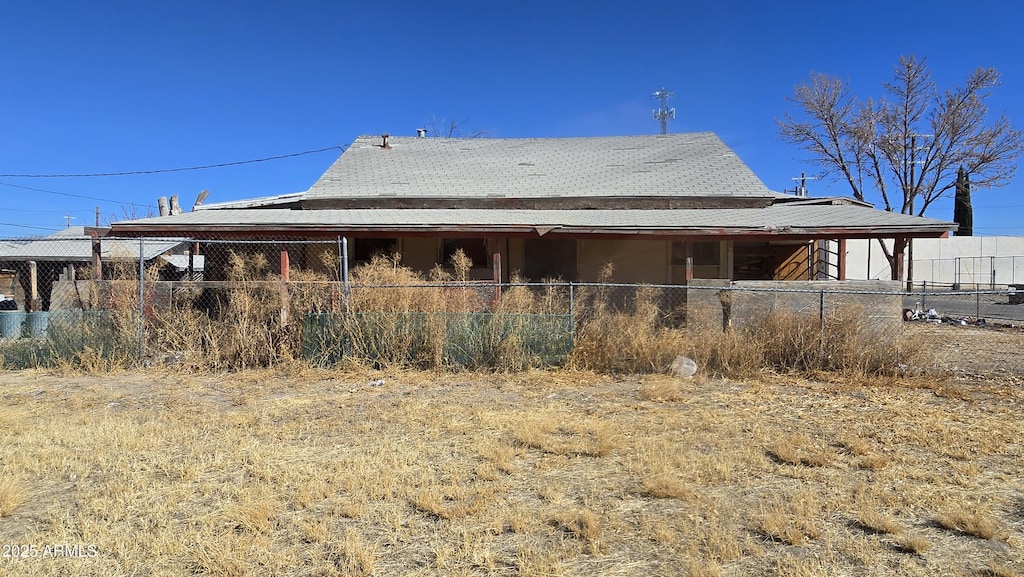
<point x="660" y="208"/>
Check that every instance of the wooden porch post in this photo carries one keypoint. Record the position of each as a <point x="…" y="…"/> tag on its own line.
<point x="899" y="245"/>
<point x="688" y="251"/>
<point x="33" y="283"/>
<point x="496" y="261"/>
<point x="97" y="258"/>
<point x="811" y="246"/>
<point x="842" y="258"/>
<point x="285" y="269"/>
<point x="910" y="265"/>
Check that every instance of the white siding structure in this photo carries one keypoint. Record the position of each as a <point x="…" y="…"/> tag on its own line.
<point x="965" y="260"/>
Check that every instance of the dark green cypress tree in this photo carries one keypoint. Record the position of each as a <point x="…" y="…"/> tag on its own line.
<point x="963" y="215"/>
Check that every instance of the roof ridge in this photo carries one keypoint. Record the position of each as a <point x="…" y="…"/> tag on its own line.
<point x="435" y="138"/>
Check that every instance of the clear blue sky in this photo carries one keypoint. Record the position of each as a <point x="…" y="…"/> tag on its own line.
<point x="110" y="86"/>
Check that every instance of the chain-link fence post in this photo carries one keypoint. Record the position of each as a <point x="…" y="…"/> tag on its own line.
<point x="821" y="319"/>
<point x="344" y="268"/>
<point x="142" y="302"/>
<point x="924" y="294"/>
<point x="572" y="316"/>
<point x="977" y="302"/>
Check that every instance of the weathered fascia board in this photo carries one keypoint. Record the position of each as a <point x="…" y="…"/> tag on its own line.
<point x="539" y="203"/>
<point x="97" y="231"/>
<point x="472" y="231"/>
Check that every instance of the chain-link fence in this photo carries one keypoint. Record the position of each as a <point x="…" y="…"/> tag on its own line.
<point x="243" y="303"/>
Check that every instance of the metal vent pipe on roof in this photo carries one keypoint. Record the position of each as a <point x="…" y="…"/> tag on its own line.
<point x="421" y="132"/>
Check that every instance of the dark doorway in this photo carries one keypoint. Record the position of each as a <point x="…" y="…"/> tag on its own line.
<point x="549" y="258"/>
<point x="367" y="248"/>
<point x="771" y="261"/>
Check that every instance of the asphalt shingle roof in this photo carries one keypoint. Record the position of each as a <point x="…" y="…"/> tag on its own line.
<point x="72" y="244"/>
<point x="692" y="164"/>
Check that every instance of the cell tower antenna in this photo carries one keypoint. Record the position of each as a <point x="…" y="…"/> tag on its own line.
<point x="663" y="113"/>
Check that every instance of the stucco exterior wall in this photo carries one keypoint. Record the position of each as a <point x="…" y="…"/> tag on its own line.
<point x="419" y="254"/>
<point x="634" y="261"/>
<point x="515" y="261"/>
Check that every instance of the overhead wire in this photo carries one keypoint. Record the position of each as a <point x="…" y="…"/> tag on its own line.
<point x="96" y="198"/>
<point x="180" y="169"/>
<point x="52" y="229"/>
<point x="133" y="173"/>
<point x="5" y="209"/>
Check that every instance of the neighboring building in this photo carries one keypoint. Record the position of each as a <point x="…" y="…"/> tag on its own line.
<point x="66" y="255"/>
<point x="659" y="208"/>
<point x="960" y="261"/>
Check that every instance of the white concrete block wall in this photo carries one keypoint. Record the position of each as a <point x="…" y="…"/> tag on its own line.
<point x="968" y="260"/>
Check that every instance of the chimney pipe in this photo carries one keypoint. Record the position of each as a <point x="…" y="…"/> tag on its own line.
<point x="421" y="132"/>
<point x="384" y="138"/>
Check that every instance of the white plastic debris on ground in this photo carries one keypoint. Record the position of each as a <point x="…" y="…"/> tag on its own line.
<point x="684" y="367"/>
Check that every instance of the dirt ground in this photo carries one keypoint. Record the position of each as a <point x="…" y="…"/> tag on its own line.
<point x="302" y="472"/>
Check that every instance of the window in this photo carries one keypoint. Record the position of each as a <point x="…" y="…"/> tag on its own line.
<point x="367" y="248"/>
<point x="475" y="249"/>
<point x="704" y="253"/>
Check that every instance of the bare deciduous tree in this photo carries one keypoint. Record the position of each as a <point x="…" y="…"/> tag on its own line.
<point x="451" y="128"/>
<point x="907" y="146"/>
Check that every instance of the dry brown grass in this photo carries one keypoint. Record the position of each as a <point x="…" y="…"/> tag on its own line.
<point x="915" y="544"/>
<point x="799" y="450"/>
<point x="559" y="435"/>
<point x="637" y="339"/>
<point x="390" y="321"/>
<point x="996" y="569"/>
<point x="303" y="471"/>
<point x="660" y="391"/>
<point x="875" y="522"/>
<point x="12" y="494"/>
<point x="967" y="519"/>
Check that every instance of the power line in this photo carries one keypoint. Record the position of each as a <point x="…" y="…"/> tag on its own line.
<point x="5" y="209"/>
<point x="166" y="170"/>
<point x="75" y="195"/>
<point x="29" y="226"/>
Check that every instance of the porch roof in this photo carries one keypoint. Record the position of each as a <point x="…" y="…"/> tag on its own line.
<point x="783" y="219"/>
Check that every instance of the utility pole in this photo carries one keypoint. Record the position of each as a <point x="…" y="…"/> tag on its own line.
<point x="68" y="218"/>
<point x="913" y="195"/>
<point x="801" y="189"/>
<point x="663" y="113"/>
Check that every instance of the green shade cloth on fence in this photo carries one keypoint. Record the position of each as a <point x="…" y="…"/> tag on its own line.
<point x="474" y="340"/>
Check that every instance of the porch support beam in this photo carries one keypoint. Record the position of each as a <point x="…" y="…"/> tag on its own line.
<point x="842" y="258"/>
<point x="898" y="250"/>
<point x="688" y="252"/>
